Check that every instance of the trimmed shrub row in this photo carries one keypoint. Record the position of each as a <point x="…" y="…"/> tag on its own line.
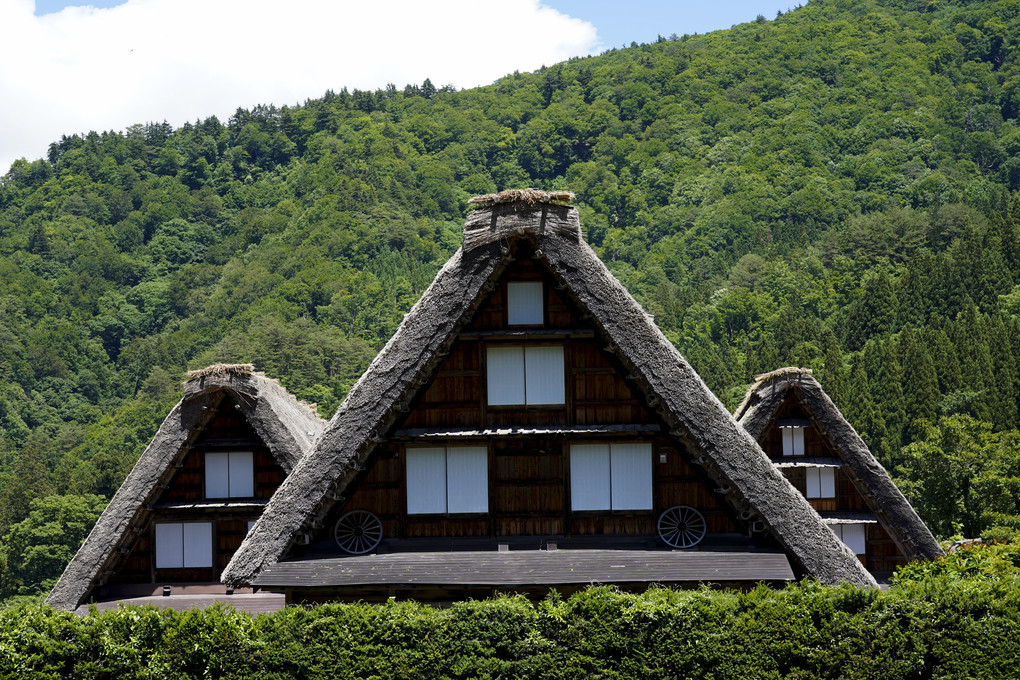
<point x="940" y="627"/>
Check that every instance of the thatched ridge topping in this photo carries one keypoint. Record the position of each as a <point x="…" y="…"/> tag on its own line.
<point x="518" y="212"/>
<point x="286" y="426"/>
<point x="550" y="234"/>
<point x="220" y="371"/>
<point x="781" y="373"/>
<point x="758" y="410"/>
<point x="528" y="197"/>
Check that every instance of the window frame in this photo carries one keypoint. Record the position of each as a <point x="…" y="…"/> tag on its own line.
<point x="648" y="470"/>
<point x="208" y="532"/>
<point x="821" y="487"/>
<point x="525" y="379"/>
<point x="793" y="441"/>
<point x="455" y="491"/>
<point x="838" y="529"/>
<point x="520" y="287"/>
<point x="229" y="478"/>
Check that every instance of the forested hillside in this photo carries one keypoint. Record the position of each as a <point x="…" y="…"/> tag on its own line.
<point x="835" y="187"/>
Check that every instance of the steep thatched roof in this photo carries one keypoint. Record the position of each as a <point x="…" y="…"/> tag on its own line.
<point x="409" y="360"/>
<point x="286" y="426"/>
<point x="895" y="513"/>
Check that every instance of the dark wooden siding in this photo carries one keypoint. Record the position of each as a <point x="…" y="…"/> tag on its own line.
<point x="882" y="555"/>
<point x="596" y="392"/>
<point x="226" y="430"/>
<point x="529" y="476"/>
<point x="816" y="445"/>
<point x="529" y="494"/>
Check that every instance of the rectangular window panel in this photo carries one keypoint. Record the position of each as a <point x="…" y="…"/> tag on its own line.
<point x="467" y="479"/>
<point x="814" y="489"/>
<point x="544" y="379"/>
<point x="793" y="441"/>
<point x="169" y="546"/>
<point x="217" y="475"/>
<point x="505" y="375"/>
<point x="242" y="474"/>
<point x="524" y="303"/>
<point x="821" y="482"/>
<point x="855" y="536"/>
<point x="198" y="544"/>
<point x="426" y="480"/>
<point x="590" y="477"/>
<point x="631" y="476"/>
<point x="827" y="482"/>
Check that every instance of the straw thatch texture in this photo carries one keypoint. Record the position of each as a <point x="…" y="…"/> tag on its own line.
<point x="408" y="361"/>
<point x="287" y="427"/>
<point x="893" y="511"/>
<point x="506" y="219"/>
<point x="529" y="198"/>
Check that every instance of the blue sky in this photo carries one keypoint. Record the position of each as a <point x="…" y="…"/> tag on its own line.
<point x="109" y="64"/>
<point x="618" y="23"/>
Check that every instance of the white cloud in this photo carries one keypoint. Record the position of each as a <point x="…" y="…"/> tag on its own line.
<point x="87" y="69"/>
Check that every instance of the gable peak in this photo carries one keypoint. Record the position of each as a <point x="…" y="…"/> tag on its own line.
<point x="520" y="212"/>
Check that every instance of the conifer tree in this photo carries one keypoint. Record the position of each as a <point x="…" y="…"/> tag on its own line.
<point x="861" y="411"/>
<point x="874" y="313"/>
<point x="833" y="375"/>
<point x="975" y="361"/>
<point x="920" y="383"/>
<point x="1005" y="381"/>
<point x="885" y="379"/>
<point x="943" y="355"/>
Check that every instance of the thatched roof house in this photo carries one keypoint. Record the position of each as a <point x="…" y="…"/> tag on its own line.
<point x="208" y="473"/>
<point x="810" y="441"/>
<point x="529" y="369"/>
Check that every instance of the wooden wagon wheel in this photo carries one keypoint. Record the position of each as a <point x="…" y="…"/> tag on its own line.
<point x="682" y="526"/>
<point x="357" y="532"/>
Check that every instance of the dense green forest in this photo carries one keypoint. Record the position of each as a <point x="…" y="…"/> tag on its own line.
<point x="837" y="187"/>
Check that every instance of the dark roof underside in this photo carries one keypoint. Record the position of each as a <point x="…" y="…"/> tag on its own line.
<point x="528" y="568"/>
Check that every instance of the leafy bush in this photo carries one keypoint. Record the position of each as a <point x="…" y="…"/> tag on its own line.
<point x="934" y="624"/>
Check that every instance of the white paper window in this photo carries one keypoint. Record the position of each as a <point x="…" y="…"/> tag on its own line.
<point x="441" y="480"/>
<point x="183" y="545"/>
<point x="524" y="303"/>
<point x="793" y="441"/>
<point x="230" y="474"/>
<point x="821" y="482"/>
<point x="611" y="476"/>
<point x="543" y="375"/>
<point x="631" y="476"/>
<point x="505" y="375"/>
<point x="854" y="535"/>
<point x="426" y="481"/>
<point x="590" y="477"/>
<point x="525" y="375"/>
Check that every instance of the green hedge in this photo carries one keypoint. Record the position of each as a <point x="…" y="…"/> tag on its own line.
<point x="939" y="627"/>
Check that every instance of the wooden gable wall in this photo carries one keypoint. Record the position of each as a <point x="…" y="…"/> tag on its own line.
<point x="184" y="500"/>
<point x="528" y="474"/>
<point x="882" y="554"/>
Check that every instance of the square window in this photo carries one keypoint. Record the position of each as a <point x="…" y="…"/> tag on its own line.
<point x="524" y="304"/>
<point x="854" y="535"/>
<point x="447" y="480"/>
<point x="229" y="474"/>
<point x="525" y="375"/>
<point x="611" y="476"/>
<point x="183" y="545"/>
<point x="821" y="482"/>
<point x="793" y="441"/>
